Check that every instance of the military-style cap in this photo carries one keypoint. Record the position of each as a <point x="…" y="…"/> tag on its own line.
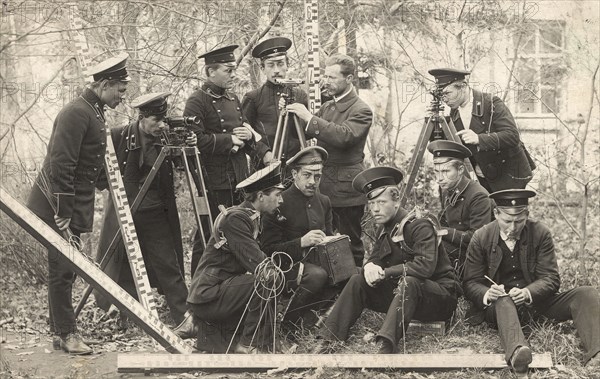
<point x="512" y="197"/>
<point x="112" y="68"/>
<point x="311" y="155"/>
<point x="374" y="178"/>
<point x="272" y="47"/>
<point x="263" y="179"/>
<point x="445" y="76"/>
<point x="220" y="55"/>
<point x="448" y="149"/>
<point x="152" y="103"/>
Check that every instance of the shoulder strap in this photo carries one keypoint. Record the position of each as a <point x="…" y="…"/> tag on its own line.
<point x="225" y="212"/>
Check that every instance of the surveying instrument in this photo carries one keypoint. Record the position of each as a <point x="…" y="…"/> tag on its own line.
<point x="285" y="119"/>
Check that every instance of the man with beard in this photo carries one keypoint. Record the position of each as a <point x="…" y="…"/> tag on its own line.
<point x="465" y="203"/>
<point x="261" y="106"/>
<point x="64" y="191"/>
<point x="341" y="127"/>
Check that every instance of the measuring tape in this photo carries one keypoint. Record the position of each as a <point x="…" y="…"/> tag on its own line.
<point x="92" y="274"/>
<point x="313" y="74"/>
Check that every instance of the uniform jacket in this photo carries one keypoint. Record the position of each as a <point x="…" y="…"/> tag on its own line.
<point x="341" y="128"/>
<point x="261" y="108"/>
<point x="239" y="255"/>
<point x="127" y="142"/>
<point x="464" y="210"/>
<point x="298" y="215"/>
<point x="537" y="257"/>
<point x="419" y="256"/>
<point x="220" y="112"/>
<point x="74" y="163"/>
<point x="500" y="153"/>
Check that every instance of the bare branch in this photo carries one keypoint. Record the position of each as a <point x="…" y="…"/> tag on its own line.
<point x="259" y="34"/>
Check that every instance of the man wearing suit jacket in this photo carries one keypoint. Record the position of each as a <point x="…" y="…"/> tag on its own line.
<point x="517" y="253"/>
<point x="341" y="127"/>
<point x="488" y="129"/>
<point x="304" y="219"/>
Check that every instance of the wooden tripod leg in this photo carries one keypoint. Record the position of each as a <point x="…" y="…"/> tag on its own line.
<point x="284" y="137"/>
<point x="450" y="132"/>
<point x="117" y="236"/>
<point x="299" y="132"/>
<point x="416" y="160"/>
<point x="190" y="180"/>
<point x="277" y="142"/>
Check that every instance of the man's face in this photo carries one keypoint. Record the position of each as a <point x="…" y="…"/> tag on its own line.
<point x="112" y="93"/>
<point x="454" y="95"/>
<point x="383" y="207"/>
<point x="270" y="203"/>
<point x="275" y="68"/>
<point x="511" y="225"/>
<point x="307" y="179"/>
<point x="334" y="82"/>
<point x="224" y="76"/>
<point x="446" y="174"/>
<point x="153" y="125"/>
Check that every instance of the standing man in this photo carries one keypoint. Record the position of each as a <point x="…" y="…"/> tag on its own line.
<point x="517" y="253"/>
<point x="304" y="219"/>
<point x="64" y="191"/>
<point x="223" y="286"/>
<point x="409" y="277"/>
<point x="156" y="220"/>
<point x="223" y="137"/>
<point x="488" y="129"/>
<point x="261" y="106"/>
<point x="341" y="127"/>
<point x="465" y="203"/>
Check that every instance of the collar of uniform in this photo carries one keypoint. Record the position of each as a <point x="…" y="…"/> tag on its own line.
<point x="93" y="99"/>
<point x="215" y="91"/>
<point x="346" y="100"/>
<point x="295" y="191"/>
<point x="132" y="136"/>
<point x="272" y="85"/>
<point x="478" y="103"/>
<point x="453" y="194"/>
<point x="522" y="238"/>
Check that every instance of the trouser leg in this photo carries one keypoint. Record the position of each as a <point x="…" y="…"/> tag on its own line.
<point x="314" y="278"/>
<point x="347" y="221"/>
<point x="503" y="313"/>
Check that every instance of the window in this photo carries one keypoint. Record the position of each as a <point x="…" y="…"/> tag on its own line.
<point x="540" y="67"/>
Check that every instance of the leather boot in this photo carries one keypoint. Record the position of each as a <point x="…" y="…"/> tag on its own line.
<point x="188" y="327"/>
<point x="73" y="344"/>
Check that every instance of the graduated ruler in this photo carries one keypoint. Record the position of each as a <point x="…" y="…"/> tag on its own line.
<point x="92" y="274"/>
<point x="313" y="75"/>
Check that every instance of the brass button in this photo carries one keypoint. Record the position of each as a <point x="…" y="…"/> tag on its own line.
<point x="222" y="120"/>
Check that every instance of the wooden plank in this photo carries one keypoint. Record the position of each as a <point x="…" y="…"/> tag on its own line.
<point x="92" y="274"/>
<point x="149" y="363"/>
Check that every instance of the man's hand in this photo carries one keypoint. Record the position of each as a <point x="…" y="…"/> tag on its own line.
<point x="191" y="140"/>
<point x="312" y="238"/>
<point x="268" y="158"/>
<point x="468" y="136"/>
<point x="237" y="141"/>
<point x="373" y="274"/>
<point x="242" y="133"/>
<point x="300" y="111"/>
<point x="518" y="295"/>
<point x="62" y="222"/>
<point x="495" y="292"/>
<point x="281" y="103"/>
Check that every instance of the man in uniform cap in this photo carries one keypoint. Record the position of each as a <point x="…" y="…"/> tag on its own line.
<point x="64" y="191"/>
<point x="517" y="253"/>
<point x="304" y="219"/>
<point x="465" y="203"/>
<point x="261" y="106"/>
<point x="156" y="220"/>
<point x="407" y="276"/>
<point x="222" y="286"/>
<point x="224" y="138"/>
<point x="488" y="129"/>
<point x="341" y="127"/>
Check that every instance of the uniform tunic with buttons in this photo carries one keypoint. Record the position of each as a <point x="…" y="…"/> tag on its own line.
<point x="220" y="112"/>
<point x="500" y="154"/>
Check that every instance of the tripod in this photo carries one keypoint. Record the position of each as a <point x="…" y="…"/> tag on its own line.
<point x="282" y="131"/>
<point x="186" y="153"/>
<point x="436" y="127"/>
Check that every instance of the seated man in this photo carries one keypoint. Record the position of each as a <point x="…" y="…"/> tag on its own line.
<point x="408" y="275"/>
<point x="223" y="285"/>
<point x="465" y="203"/>
<point x="305" y="218"/>
<point x="517" y="253"/>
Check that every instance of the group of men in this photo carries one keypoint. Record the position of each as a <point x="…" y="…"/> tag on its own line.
<point x="506" y="266"/>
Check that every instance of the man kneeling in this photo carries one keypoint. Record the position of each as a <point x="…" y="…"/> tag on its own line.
<point x="408" y="277"/>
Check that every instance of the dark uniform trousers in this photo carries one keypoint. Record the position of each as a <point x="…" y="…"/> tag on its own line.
<point x="346" y="220"/>
<point x="425" y="300"/>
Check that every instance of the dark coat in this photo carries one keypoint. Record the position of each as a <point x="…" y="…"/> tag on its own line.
<point x="500" y="154"/>
<point x="419" y="256"/>
<point x="465" y="210"/>
<point x="220" y="112"/>
<point x="536" y="254"/>
<point x="298" y="215"/>
<point x="261" y="109"/>
<point x="239" y="255"/>
<point x="342" y="128"/>
<point x="127" y="142"/>
<point x="74" y="163"/>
